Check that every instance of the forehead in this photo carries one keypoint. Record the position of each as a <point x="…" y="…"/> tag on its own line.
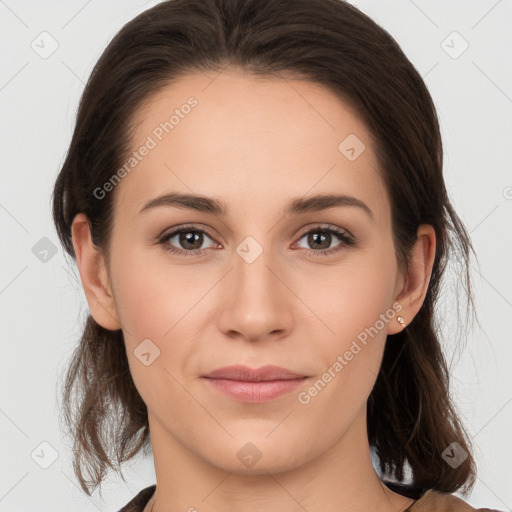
<point x="235" y="135"/>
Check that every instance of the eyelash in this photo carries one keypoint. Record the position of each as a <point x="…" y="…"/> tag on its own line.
<point x="347" y="240"/>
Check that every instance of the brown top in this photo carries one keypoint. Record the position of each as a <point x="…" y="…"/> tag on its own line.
<point x="140" y="501"/>
<point x="431" y="501"/>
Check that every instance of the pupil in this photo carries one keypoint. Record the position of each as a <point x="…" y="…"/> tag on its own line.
<point x="319" y="238"/>
<point x="190" y="237"/>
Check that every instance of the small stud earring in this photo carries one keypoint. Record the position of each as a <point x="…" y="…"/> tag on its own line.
<point x="401" y="320"/>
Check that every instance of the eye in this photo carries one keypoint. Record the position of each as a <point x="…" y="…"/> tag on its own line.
<point x="322" y="237"/>
<point x="188" y="238"/>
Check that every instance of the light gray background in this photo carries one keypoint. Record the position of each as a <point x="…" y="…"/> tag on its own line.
<point x="42" y="305"/>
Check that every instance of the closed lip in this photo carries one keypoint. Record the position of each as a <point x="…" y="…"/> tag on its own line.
<point x="247" y="374"/>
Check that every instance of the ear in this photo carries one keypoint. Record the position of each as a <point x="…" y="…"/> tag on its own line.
<point x="412" y="288"/>
<point x="94" y="276"/>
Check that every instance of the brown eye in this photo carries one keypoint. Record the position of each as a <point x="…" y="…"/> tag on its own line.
<point x="319" y="240"/>
<point x="185" y="240"/>
<point x="190" y="239"/>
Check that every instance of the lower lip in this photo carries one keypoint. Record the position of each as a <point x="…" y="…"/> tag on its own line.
<point x="255" y="392"/>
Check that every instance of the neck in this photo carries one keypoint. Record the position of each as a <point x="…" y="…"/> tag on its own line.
<point x="340" y="478"/>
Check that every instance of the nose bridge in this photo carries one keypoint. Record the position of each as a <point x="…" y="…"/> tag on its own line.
<point x="252" y="262"/>
<point x="254" y="281"/>
<point x="256" y="303"/>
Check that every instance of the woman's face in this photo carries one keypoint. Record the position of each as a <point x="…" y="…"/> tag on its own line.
<point x="267" y="284"/>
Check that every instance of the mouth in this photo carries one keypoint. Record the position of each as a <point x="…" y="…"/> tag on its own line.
<point x="250" y="385"/>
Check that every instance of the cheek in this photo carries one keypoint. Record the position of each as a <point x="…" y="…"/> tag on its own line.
<point x="160" y="302"/>
<point x="350" y="362"/>
<point x="350" y="298"/>
<point x="354" y="308"/>
<point x="153" y="312"/>
<point x="151" y="294"/>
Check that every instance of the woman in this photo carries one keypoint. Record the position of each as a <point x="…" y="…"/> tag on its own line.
<point x="254" y="198"/>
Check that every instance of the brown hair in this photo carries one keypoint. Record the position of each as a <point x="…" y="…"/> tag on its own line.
<point x="411" y="418"/>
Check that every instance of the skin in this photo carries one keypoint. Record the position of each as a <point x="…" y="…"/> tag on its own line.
<point x="254" y="143"/>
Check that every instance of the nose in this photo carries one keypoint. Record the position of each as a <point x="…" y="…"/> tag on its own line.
<point x="256" y="302"/>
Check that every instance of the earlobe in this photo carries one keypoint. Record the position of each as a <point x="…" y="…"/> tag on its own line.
<point x="94" y="276"/>
<point x="418" y="276"/>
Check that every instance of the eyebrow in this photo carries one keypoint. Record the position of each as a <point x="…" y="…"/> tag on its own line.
<point x="295" y="206"/>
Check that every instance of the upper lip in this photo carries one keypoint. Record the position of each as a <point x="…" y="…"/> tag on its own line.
<point x="245" y="373"/>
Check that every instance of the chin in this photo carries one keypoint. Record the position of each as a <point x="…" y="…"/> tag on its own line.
<point x="260" y="455"/>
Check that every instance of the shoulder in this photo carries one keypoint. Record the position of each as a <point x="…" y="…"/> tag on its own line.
<point x="431" y="501"/>
<point x="434" y="501"/>
<point x="138" y="503"/>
